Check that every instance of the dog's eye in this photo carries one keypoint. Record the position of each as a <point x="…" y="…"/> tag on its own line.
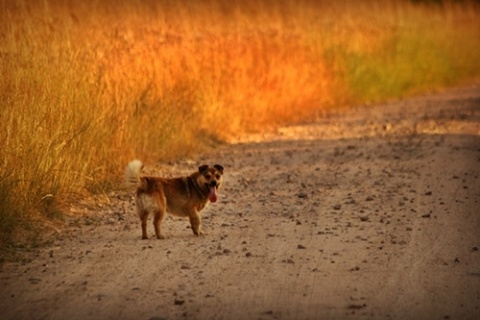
<point x="207" y="176"/>
<point x="217" y="176"/>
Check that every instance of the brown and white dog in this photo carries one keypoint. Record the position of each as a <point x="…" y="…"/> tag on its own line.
<point x="182" y="196"/>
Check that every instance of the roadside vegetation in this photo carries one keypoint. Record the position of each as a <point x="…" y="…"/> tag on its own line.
<point x="87" y="86"/>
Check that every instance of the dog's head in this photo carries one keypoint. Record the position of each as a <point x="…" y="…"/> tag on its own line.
<point x="210" y="179"/>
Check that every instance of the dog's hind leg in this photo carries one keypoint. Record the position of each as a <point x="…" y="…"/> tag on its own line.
<point x="144" y="216"/>
<point x="158" y="216"/>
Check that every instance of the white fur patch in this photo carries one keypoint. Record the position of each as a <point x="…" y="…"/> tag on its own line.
<point x="132" y="173"/>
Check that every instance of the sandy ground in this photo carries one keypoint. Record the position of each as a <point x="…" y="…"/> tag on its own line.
<point x="365" y="214"/>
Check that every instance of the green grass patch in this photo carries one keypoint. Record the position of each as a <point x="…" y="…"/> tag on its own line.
<point x="412" y="62"/>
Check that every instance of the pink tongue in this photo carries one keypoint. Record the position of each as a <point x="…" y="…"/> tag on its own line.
<point x="213" y="194"/>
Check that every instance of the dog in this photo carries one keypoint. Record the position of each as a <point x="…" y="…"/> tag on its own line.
<point x="181" y="196"/>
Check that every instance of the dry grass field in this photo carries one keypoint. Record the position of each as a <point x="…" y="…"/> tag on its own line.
<point x="88" y="85"/>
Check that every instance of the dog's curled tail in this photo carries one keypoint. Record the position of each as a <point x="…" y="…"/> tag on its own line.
<point x="132" y="174"/>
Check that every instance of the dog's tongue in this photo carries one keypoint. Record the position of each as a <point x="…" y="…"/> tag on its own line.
<point x="212" y="196"/>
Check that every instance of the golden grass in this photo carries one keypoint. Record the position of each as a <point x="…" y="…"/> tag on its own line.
<point x="87" y="86"/>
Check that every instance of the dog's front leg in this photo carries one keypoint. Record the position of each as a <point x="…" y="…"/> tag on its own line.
<point x="196" y="223"/>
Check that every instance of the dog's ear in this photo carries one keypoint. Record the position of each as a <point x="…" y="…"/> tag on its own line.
<point x="219" y="168"/>
<point x="203" y="168"/>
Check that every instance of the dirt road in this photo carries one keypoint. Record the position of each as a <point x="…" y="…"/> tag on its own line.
<point x="366" y="214"/>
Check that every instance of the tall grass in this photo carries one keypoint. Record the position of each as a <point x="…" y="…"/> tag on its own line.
<point x="88" y="85"/>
